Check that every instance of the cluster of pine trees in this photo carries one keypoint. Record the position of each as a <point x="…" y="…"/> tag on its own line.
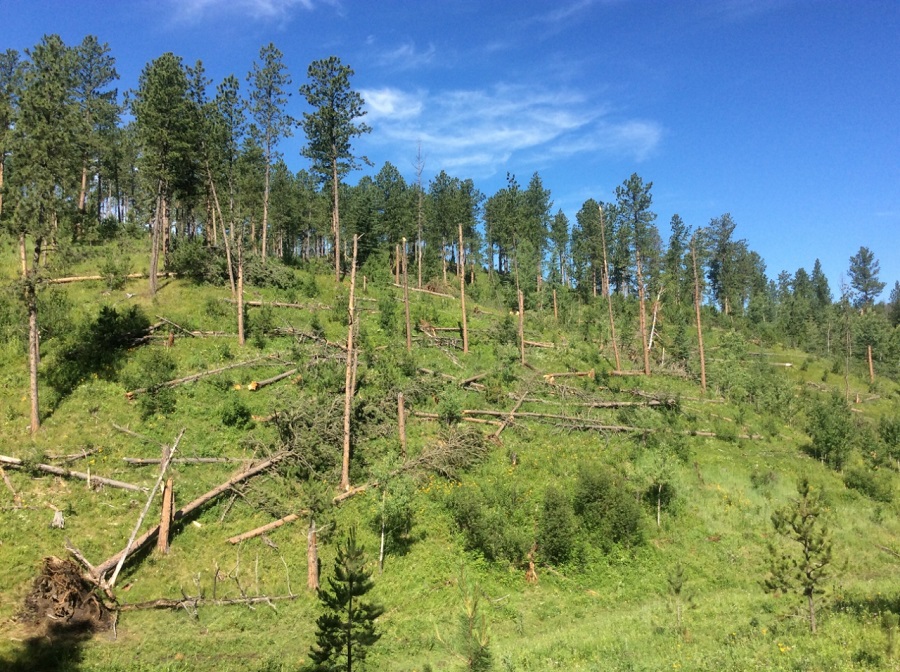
<point x="188" y="163"/>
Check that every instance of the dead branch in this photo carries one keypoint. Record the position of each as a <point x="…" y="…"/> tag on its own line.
<point x="193" y="602"/>
<point x="888" y="550"/>
<point x="424" y="291"/>
<point x="177" y="326"/>
<point x="627" y="373"/>
<point x="74" y="456"/>
<point x="130" y="432"/>
<point x="188" y="509"/>
<point x="162" y="474"/>
<point x="435" y="416"/>
<point x="146" y="461"/>
<point x="290" y="518"/>
<point x="196" y="376"/>
<point x="509" y="416"/>
<point x="257" y="385"/>
<point x="66" y="473"/>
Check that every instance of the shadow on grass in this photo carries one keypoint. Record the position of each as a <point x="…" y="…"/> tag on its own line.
<point x="59" y="650"/>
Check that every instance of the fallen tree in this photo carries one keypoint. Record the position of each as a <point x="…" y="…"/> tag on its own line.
<point x="68" y="473"/>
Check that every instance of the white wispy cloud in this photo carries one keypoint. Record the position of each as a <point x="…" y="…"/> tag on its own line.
<point x="196" y="10"/>
<point x="406" y="56"/>
<point x="480" y="130"/>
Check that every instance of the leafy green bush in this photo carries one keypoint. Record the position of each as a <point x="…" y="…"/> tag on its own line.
<point x="876" y="485"/>
<point x="150" y="369"/>
<point x="115" y="269"/>
<point x="192" y="259"/>
<point x="236" y="414"/>
<point x="608" y="511"/>
<point x="387" y="313"/>
<point x="557" y="526"/>
<point x="830" y="424"/>
<point x="492" y="520"/>
<point x="273" y="274"/>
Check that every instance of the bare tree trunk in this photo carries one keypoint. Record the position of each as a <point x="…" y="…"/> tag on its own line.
<point x="381" y="549"/>
<point x="605" y="281"/>
<point x="265" y="218"/>
<point x="348" y="379"/>
<point x="871" y="367"/>
<point x="640" y="279"/>
<point x="406" y="298"/>
<point x="697" y="311"/>
<point x="312" y="557"/>
<point x="33" y="333"/>
<point x="2" y="165"/>
<point x="521" y="327"/>
<point x="444" y="260"/>
<point x="215" y="194"/>
<point x="401" y="424"/>
<point x="812" y="613"/>
<point x="240" y="293"/>
<point x="555" y="308"/>
<point x="165" y="520"/>
<point x="397" y="264"/>
<point x="420" y="167"/>
<point x="154" y="240"/>
<point x="462" y="290"/>
<point x="336" y="216"/>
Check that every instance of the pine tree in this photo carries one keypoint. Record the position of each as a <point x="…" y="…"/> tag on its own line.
<point x="864" y="269"/>
<point x="346" y="629"/>
<point x="804" y="571"/>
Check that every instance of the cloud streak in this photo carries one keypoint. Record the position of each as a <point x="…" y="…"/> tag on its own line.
<point x="261" y="10"/>
<point x="481" y="130"/>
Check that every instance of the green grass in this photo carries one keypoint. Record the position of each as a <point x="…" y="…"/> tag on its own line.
<point x="600" y="611"/>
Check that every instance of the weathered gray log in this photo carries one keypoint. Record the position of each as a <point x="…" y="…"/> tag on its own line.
<point x="291" y="517"/>
<point x="197" y="376"/>
<point x="146" y="461"/>
<point x="67" y="473"/>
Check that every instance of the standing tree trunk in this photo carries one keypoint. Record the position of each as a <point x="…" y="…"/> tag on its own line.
<point x="212" y="186"/>
<point x="154" y="240"/>
<point x="348" y="379"/>
<point x="555" y="307"/>
<point x="401" y="424"/>
<point x="265" y="218"/>
<point x="521" y="327"/>
<point x="312" y="557"/>
<point x="697" y="311"/>
<point x="871" y="367"/>
<point x="240" y="292"/>
<point x="640" y="279"/>
<point x="166" y="518"/>
<point x="406" y="298"/>
<point x="34" y="345"/>
<point x="605" y="281"/>
<point x="336" y="215"/>
<point x="461" y="265"/>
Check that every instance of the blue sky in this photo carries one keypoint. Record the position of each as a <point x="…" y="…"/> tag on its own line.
<point x="784" y="113"/>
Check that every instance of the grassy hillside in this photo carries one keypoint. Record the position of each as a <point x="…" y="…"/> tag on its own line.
<point x="605" y="606"/>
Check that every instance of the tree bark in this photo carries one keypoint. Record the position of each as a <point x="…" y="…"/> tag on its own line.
<point x="165" y="519"/>
<point x="643" y="312"/>
<point x="240" y="293"/>
<point x="401" y="424"/>
<point x="265" y="219"/>
<point x="66" y="473"/>
<point x="348" y="379"/>
<point x="406" y="298"/>
<point x="555" y="309"/>
<point x="275" y="524"/>
<point x="605" y="281"/>
<point x="871" y="367"/>
<point x="461" y="265"/>
<point x="312" y="557"/>
<point x="154" y="239"/>
<point x="697" y="312"/>
<point x="336" y="215"/>
<point x="521" y="327"/>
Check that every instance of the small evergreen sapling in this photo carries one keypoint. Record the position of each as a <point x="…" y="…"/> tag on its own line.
<point x="805" y="571"/>
<point x="346" y="629"/>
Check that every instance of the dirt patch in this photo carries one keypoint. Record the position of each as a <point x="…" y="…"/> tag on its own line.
<point x="61" y="600"/>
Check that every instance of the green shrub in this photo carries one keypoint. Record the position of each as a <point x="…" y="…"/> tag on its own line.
<point x="236" y="414"/>
<point x="830" y="425"/>
<point x="608" y="511"/>
<point x="492" y="521"/>
<point x="876" y="485"/>
<point x="115" y="269"/>
<point x="557" y="527"/>
<point x="387" y="314"/>
<point x="150" y="369"/>
<point x="192" y="259"/>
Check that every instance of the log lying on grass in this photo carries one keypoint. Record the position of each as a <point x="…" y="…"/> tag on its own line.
<point x="146" y="461"/>
<point x="66" y="473"/>
<point x="193" y="602"/>
<point x="290" y="518"/>
<point x="282" y="304"/>
<point x="148" y="536"/>
<point x="259" y="384"/>
<point x="196" y="376"/>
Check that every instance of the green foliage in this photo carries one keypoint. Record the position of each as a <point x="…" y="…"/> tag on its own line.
<point x="115" y="269"/>
<point x="830" y="424"/>
<point x="608" y="511"/>
<point x="193" y="259"/>
<point x="235" y="413"/>
<point x="346" y="629"/>
<point x="149" y="370"/>
<point x="471" y="641"/>
<point x="273" y="273"/>
<point x="493" y="520"/>
<point x="804" y="569"/>
<point x="557" y="527"/>
<point x="97" y="348"/>
<point x="450" y="410"/>
<point x="387" y="313"/>
<point x="877" y="485"/>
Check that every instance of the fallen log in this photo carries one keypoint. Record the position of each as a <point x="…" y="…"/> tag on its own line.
<point x="425" y="291"/>
<point x="188" y="509"/>
<point x="282" y="304"/>
<point x="146" y="461"/>
<point x="435" y="416"/>
<point x="626" y="373"/>
<point x="551" y="377"/>
<point x="74" y="456"/>
<point x="540" y="344"/>
<point x="185" y="602"/>
<point x="196" y="376"/>
<point x="67" y="473"/>
<point x="86" y="278"/>
<point x="290" y="518"/>
<point x="259" y="384"/>
<point x="509" y="416"/>
<point x="177" y="326"/>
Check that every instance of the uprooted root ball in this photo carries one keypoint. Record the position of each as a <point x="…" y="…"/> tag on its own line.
<point x="62" y="601"/>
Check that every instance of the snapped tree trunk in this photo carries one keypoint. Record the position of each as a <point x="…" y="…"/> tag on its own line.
<point x="462" y="290"/>
<point x="312" y="557"/>
<point x="697" y="312"/>
<point x="348" y="379"/>
<point x="406" y="298"/>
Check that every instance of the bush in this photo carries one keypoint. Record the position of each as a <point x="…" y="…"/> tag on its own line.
<point x="557" y="527"/>
<point x="150" y="370"/>
<point x="873" y="484"/>
<point x="492" y="521"/>
<point x="387" y="314"/>
<point x="192" y="259"/>
<point x="830" y="425"/>
<point x="273" y="274"/>
<point x="115" y="269"/>
<point x="236" y="414"/>
<point x="608" y="511"/>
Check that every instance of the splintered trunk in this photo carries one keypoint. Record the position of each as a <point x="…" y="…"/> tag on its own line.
<point x="605" y="281"/>
<point x="642" y="301"/>
<point x="166" y="518"/>
<point x="154" y="241"/>
<point x="336" y="216"/>
<point x="312" y="557"/>
<point x="462" y="290"/>
<point x="406" y="298"/>
<point x="348" y="379"/>
<point x="521" y="327"/>
<point x="697" y="312"/>
<point x="240" y="293"/>
<point x="265" y="219"/>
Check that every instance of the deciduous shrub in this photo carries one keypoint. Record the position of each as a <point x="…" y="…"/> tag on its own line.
<point x="608" y="511"/>
<point x="830" y="425"/>
<point x="557" y="526"/>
